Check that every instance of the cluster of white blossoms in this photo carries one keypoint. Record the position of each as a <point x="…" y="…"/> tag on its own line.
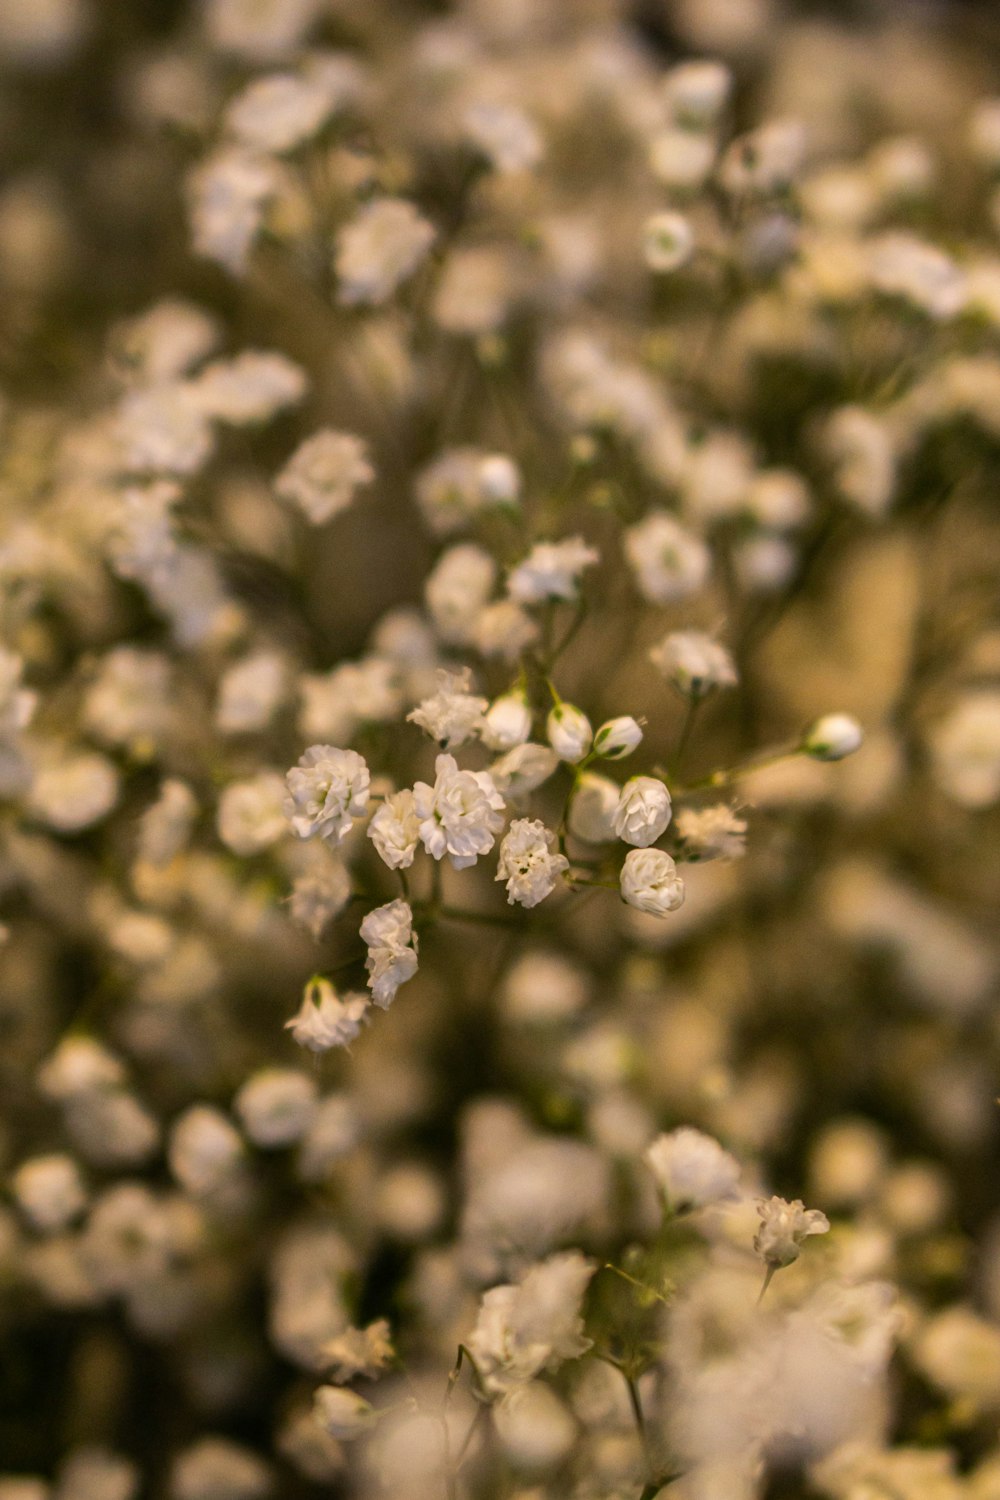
<point x="499" y="752"/>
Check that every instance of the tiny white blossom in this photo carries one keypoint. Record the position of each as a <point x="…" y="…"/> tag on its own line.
<point x="249" y="388"/>
<point x="783" y="1228"/>
<point x="692" y="1170"/>
<point x="380" y="248"/>
<point x="532" y="1326"/>
<point x="643" y="812"/>
<point x="965" y="750"/>
<point x="457" y="589"/>
<point x="324" y="474"/>
<point x="395" y="830"/>
<point x="693" y="662"/>
<point x="669" y="562"/>
<point x="551" y="571"/>
<point x="318" y="896"/>
<point x="251" y="814"/>
<point x="667" y="242"/>
<point x="228" y="194"/>
<point x="342" y="1413"/>
<point x="275" y="1106"/>
<point x="17" y="704"/>
<point x="280" y="111"/>
<point x="204" y="1149"/>
<point x="453" y="714"/>
<point x="461" y="814"/>
<point x="711" y="833"/>
<point x="528" y="864"/>
<point x="569" y="732"/>
<point x="250" y="692"/>
<point x="523" y="769"/>
<point x="327" y="792"/>
<point x="326" y="1019"/>
<point x="504" y="135"/>
<point x="593" y="808"/>
<point x="49" y="1191"/>
<point x="650" y="882"/>
<point x="696" y="92"/>
<point x="392" y="957"/>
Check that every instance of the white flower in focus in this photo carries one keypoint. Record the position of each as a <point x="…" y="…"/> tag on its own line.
<point x="453" y="715"/>
<point x="532" y="1326"/>
<point x="649" y="881"/>
<point x="617" y="738"/>
<point x="692" y="1170"/>
<point x="275" y="1106"/>
<point x="395" y="830"/>
<point x="380" y="248"/>
<point x="965" y="750"/>
<point x="325" y="1019"/>
<point x="643" y="812"/>
<point x="507" y="722"/>
<point x="711" y="833"/>
<point x="833" y="737"/>
<point x="667" y="242"/>
<point x="327" y="792"/>
<point x="527" y="863"/>
<point x="204" y="1150"/>
<point x="551" y="571"/>
<point x="523" y="769"/>
<point x="251" y="813"/>
<point x="569" y="732"/>
<point x="593" y="808"/>
<point x="784" y="1227"/>
<point x="392" y="957"/>
<point x="461" y="814"/>
<point x="49" y="1191"/>
<point x="457" y="589"/>
<point x="669" y="562"/>
<point x="343" y="1413"/>
<point x="324" y="474"/>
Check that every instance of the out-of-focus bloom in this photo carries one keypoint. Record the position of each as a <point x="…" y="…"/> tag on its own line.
<point x="833" y="737"/>
<point x="667" y="242"/>
<point x="252" y="813"/>
<point x="593" y="808"/>
<point x="507" y="722"/>
<point x="669" y="562"/>
<point x="324" y="474"/>
<point x="692" y="1170"/>
<point x="551" y="571"/>
<point x="693" y="662"/>
<point x="711" y="833"/>
<point x="275" y="1106"/>
<point x="533" y="1326"/>
<point x="453" y="715"/>
<point x="380" y="248"/>
<point x="965" y="750"/>
<point x="343" y="1413"/>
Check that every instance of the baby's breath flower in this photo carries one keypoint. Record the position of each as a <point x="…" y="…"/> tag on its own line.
<point x="692" y="1170"/>
<point x="326" y="1019"/>
<point x="569" y="732"/>
<point x="643" y="811"/>
<point x="833" y="737"/>
<point x="669" y="562"/>
<point x="380" y="248"/>
<point x="783" y="1228"/>
<point x="693" y="662"/>
<point x="461" y="814"/>
<point x="324" y="474"/>
<point x="392" y="956"/>
<point x="551" y="571"/>
<point x="711" y="833"/>
<point x="527" y="863"/>
<point x="327" y="792"/>
<point x="617" y="738"/>
<point x="650" y="882"/>
<point x="667" y="242"/>
<point x="395" y="830"/>
<point x="507" y="722"/>
<point x="453" y="715"/>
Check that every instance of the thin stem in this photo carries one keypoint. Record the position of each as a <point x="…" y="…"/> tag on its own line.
<point x="756" y="763"/>
<point x="768" y="1277"/>
<point x="687" y="724"/>
<point x="635" y="1401"/>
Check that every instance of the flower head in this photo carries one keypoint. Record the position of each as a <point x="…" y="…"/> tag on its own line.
<point x="327" y="792"/>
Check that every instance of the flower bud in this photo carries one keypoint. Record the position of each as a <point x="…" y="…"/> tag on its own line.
<point x="592" y="809"/>
<point x="643" y="811"/>
<point x="649" y="881"/>
<point x="507" y="722"/>
<point x="569" y="732"/>
<point x="617" y="738"/>
<point x="832" y="737"/>
<point x="343" y="1413"/>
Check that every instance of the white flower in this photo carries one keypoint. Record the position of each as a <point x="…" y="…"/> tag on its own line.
<point x="643" y="811"/>
<point x="551" y="571"/>
<point x="325" y="1019"/>
<point x="692" y="1170"/>
<point x="527" y="863"/>
<point x="17" y="704"/>
<point x="507" y="722"/>
<point x="505" y="135"/>
<point x="694" y="662"/>
<point x="275" y="1106"/>
<point x="532" y="1326"/>
<point x="335" y="703"/>
<point x="453" y="715"/>
<point x="251" y="814"/>
<point x="696" y="92"/>
<point x="593" y="808"/>
<point x="49" y="1191"/>
<point x="163" y="430"/>
<point x="617" y="738"/>
<point x="280" y="111"/>
<point x="965" y="750"/>
<point x="711" y="833"/>
<point x="204" y="1150"/>
<point x="343" y="1413"/>
<point x="650" y="882"/>
<point x="395" y="830"/>
<point x="503" y="629"/>
<point x="833" y="737"/>
<point x="457" y="588"/>
<point x="327" y="791"/>
<point x="682" y="159"/>
<point x="667" y="242"/>
<point x="766" y="160"/>
<point x="250" y="691"/>
<point x="249" y="388"/>
<point x="523" y="769"/>
<point x="783" y="1228"/>
<point x="461" y="814"/>
<point x="324" y="474"/>
<point x="79" y="1066"/>
<point x="860" y="447"/>
<point x="258" y="30"/>
<point x="216" y="1469"/>
<point x="71" y="793"/>
<point x="392" y="957"/>
<point x="461" y="482"/>
<point x="569" y="732"/>
<point x="319" y="896"/>
<point x="228" y="194"/>
<point x="380" y="248"/>
<point x="669" y="562"/>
